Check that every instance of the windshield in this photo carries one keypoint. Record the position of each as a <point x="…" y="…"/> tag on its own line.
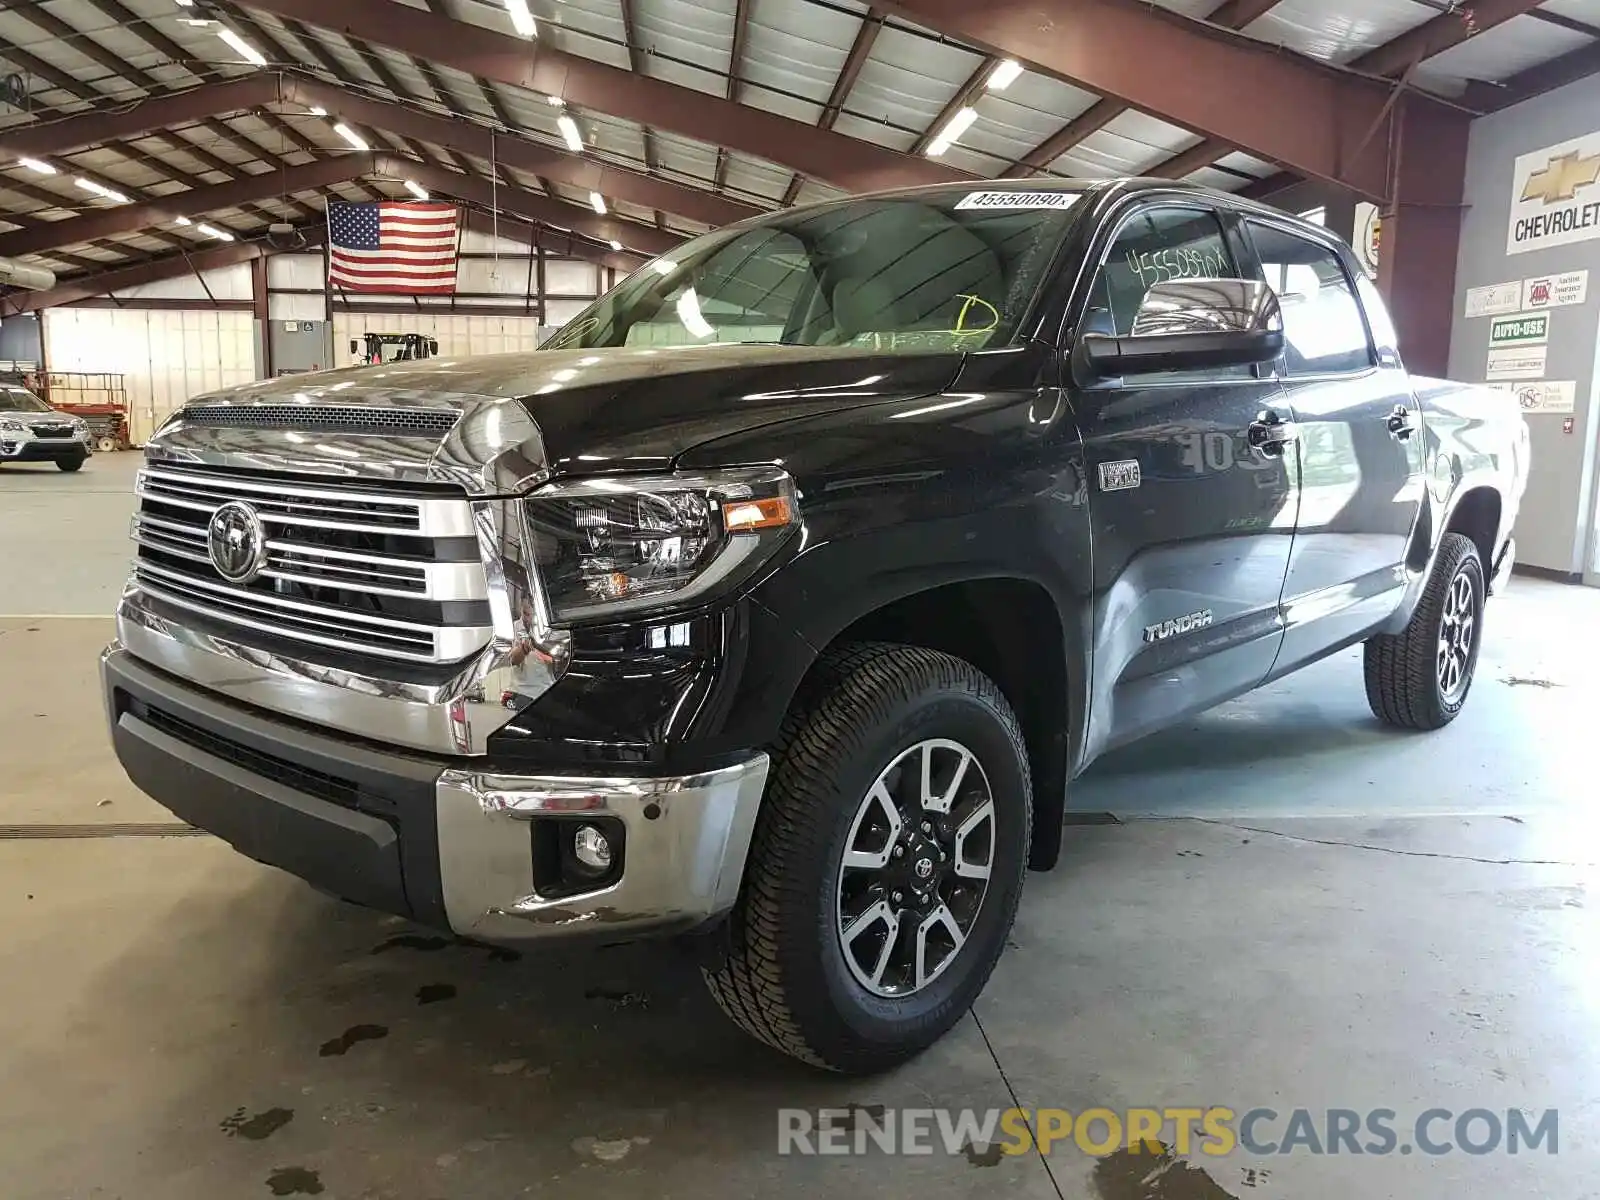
<point x="955" y="270"/>
<point x="20" y="399"/>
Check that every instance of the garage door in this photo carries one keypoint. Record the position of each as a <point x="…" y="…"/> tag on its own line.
<point x="164" y="356"/>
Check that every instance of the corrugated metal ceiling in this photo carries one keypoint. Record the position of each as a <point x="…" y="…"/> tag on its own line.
<point x="792" y="53"/>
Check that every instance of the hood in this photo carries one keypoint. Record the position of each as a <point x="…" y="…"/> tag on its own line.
<point x="37" y="418"/>
<point x="533" y="415"/>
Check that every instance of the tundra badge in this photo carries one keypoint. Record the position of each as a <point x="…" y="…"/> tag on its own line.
<point x="1188" y="623"/>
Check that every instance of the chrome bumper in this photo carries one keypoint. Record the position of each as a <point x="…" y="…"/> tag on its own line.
<point x="14" y="444"/>
<point x="685" y="843"/>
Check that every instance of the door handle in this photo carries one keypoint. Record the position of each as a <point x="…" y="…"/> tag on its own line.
<point x="1401" y="423"/>
<point x="1269" y="434"/>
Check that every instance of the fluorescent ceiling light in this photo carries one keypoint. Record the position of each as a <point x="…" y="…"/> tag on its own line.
<point x="185" y="3"/>
<point x="953" y="129"/>
<point x="100" y="189"/>
<point x="33" y="164"/>
<point x="221" y="235"/>
<point x="416" y="189"/>
<point x="569" y="130"/>
<point x="664" y="266"/>
<point x="317" y="110"/>
<point x="616" y="245"/>
<point x="521" y="19"/>
<point x="350" y="136"/>
<point x="250" y="53"/>
<point x="597" y="202"/>
<point x="184" y="221"/>
<point x="1004" y="75"/>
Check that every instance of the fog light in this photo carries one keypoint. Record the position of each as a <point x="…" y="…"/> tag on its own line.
<point x="592" y="849"/>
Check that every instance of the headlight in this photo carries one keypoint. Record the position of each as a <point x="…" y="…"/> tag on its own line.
<point x="610" y="546"/>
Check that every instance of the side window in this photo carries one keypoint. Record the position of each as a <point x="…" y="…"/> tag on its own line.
<point x="1323" y="330"/>
<point x="1153" y="246"/>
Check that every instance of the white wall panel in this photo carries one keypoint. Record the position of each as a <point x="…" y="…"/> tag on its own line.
<point x="295" y="271"/>
<point x="291" y="306"/>
<point x="568" y="277"/>
<point x="473" y="242"/>
<point x="559" y="312"/>
<point x="164" y="356"/>
<point x="504" y="276"/>
<point x="225" y="283"/>
<point x="458" y="334"/>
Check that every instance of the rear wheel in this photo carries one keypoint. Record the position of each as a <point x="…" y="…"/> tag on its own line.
<point x="887" y="861"/>
<point x="1419" y="678"/>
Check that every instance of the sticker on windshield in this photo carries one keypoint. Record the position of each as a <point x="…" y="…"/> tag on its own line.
<point x="1019" y="200"/>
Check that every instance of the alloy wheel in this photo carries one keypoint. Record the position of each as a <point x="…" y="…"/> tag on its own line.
<point x="916" y="868"/>
<point x="1457" y="630"/>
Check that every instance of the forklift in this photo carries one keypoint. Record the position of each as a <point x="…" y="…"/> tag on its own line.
<point x="376" y="348"/>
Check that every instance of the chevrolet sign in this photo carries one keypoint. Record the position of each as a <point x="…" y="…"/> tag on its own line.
<point x="1555" y="199"/>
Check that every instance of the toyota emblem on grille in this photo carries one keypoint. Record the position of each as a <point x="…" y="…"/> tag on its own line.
<point x="236" y="542"/>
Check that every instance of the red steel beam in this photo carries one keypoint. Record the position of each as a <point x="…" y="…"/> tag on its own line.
<point x="1233" y="14"/>
<point x="196" y="202"/>
<point x="1535" y="81"/>
<point x="845" y="162"/>
<point x="1276" y="105"/>
<point x="646" y="239"/>
<point x="168" y="266"/>
<point x="1438" y="34"/>
<point x="113" y="121"/>
<point x="522" y="154"/>
<point x="1392" y="59"/>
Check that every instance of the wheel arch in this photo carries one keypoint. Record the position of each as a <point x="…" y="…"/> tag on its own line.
<point x="1012" y="629"/>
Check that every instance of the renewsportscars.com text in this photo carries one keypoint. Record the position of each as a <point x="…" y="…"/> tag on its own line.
<point x="1214" y="1131"/>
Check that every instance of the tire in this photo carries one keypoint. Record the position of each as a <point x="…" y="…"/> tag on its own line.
<point x="869" y="714"/>
<point x="1405" y="672"/>
<point x="70" y="464"/>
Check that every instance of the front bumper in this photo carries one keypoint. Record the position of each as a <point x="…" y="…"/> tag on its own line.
<point x="418" y="836"/>
<point x="24" y="447"/>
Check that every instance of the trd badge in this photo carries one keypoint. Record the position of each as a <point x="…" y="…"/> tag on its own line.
<point x="1120" y="475"/>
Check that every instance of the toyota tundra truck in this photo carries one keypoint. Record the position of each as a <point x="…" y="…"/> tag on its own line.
<point x="776" y="602"/>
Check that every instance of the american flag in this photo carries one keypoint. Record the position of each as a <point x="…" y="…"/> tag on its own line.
<point x="392" y="246"/>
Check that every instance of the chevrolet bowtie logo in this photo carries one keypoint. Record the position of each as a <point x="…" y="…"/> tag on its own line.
<point x="1562" y="177"/>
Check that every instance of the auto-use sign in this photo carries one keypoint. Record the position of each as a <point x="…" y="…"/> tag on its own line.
<point x="1529" y="329"/>
<point x="1555" y="196"/>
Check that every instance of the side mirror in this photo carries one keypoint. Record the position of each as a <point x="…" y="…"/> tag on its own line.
<point x="1190" y="325"/>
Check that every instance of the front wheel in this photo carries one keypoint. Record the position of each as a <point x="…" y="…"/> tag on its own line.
<point x="887" y="861"/>
<point x="69" y="464"/>
<point x="1419" y="678"/>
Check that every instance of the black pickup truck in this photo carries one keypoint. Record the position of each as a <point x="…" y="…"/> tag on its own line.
<point x="777" y="601"/>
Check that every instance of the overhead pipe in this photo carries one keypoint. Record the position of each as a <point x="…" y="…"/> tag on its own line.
<point x="26" y="276"/>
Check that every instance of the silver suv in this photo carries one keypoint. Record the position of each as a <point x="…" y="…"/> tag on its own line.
<point x="32" y="431"/>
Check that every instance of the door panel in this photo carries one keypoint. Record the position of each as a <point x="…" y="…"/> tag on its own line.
<point x="1189" y="560"/>
<point x="1361" y="480"/>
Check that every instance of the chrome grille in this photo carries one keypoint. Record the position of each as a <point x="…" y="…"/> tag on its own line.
<point x="347" y="567"/>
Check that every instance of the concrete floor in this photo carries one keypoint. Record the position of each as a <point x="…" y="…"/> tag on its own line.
<point x="1309" y="912"/>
